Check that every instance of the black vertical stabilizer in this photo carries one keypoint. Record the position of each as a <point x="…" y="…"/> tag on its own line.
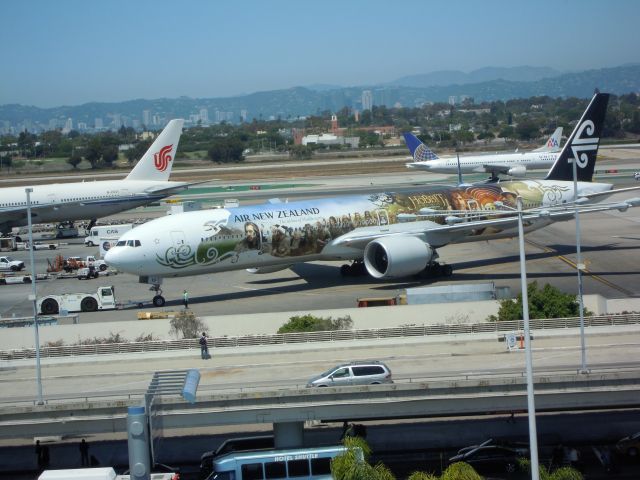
<point x="582" y="144"/>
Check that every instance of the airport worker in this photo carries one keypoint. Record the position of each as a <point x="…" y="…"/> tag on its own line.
<point x="204" y="349"/>
<point x="84" y="453"/>
<point x="185" y="299"/>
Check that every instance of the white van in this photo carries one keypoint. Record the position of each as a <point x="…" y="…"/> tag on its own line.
<point x="106" y="231"/>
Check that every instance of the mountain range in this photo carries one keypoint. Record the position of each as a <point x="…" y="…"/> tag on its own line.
<point x="487" y="84"/>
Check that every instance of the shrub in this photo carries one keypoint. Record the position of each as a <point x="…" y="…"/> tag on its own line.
<point x="309" y="323"/>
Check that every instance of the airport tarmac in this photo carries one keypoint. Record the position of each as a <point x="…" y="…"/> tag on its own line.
<point x="609" y="243"/>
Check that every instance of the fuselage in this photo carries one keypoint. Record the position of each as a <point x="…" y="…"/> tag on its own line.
<point x="269" y="235"/>
<point x="79" y="200"/>
<point x="478" y="163"/>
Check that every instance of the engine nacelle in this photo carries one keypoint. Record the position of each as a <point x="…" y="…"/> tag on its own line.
<point x="518" y="171"/>
<point x="399" y="256"/>
<point x="271" y="269"/>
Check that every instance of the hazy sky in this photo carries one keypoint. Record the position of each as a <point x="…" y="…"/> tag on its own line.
<point x="69" y="52"/>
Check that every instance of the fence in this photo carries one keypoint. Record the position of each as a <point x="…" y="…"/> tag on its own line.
<point x="325" y="336"/>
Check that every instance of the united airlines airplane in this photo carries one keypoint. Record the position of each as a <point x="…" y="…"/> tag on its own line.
<point x="146" y="183"/>
<point x="513" y="164"/>
<point x="386" y="235"/>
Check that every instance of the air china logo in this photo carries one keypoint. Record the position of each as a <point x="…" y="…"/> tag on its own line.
<point x="162" y="158"/>
<point x="581" y="146"/>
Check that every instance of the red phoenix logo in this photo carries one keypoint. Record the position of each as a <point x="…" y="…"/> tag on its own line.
<point x="162" y="158"/>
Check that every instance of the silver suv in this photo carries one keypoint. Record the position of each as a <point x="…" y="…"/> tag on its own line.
<point x="354" y="373"/>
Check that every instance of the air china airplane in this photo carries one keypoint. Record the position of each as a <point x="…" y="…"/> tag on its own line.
<point x="514" y="164"/>
<point x="147" y="182"/>
<point x="387" y="235"/>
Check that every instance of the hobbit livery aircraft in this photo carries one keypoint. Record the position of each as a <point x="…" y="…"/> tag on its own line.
<point x="386" y="234"/>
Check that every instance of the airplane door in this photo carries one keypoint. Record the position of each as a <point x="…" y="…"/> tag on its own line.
<point x="177" y="238"/>
<point x="383" y="218"/>
<point x="52" y="199"/>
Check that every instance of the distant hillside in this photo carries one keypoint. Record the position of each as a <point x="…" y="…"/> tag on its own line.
<point x="294" y="102"/>
<point x="455" y="77"/>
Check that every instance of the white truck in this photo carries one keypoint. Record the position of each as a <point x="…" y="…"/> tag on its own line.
<point x="108" y="231"/>
<point x="41" y="246"/>
<point x="103" y="299"/>
<point x="8" y="263"/>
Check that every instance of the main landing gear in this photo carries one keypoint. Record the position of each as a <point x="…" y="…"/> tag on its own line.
<point x="356" y="269"/>
<point x="435" y="270"/>
<point x="158" y="299"/>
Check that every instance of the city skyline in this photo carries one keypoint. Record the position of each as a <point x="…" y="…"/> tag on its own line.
<point x="72" y="53"/>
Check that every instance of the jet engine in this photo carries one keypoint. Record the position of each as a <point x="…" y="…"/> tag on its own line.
<point x="270" y="269"/>
<point x="517" y="171"/>
<point x="400" y="256"/>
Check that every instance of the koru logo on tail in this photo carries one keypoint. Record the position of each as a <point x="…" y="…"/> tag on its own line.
<point x="581" y="145"/>
<point x="162" y="158"/>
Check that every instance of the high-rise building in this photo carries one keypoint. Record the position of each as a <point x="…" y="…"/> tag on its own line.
<point x="204" y="115"/>
<point x="98" y="124"/>
<point x="244" y="114"/>
<point x="146" y="117"/>
<point x="452" y="100"/>
<point x="367" y="100"/>
<point x="68" y="126"/>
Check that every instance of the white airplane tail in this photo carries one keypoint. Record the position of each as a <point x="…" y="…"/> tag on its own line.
<point x="156" y="163"/>
<point x="553" y="144"/>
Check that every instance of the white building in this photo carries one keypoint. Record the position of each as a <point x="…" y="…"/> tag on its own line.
<point x="367" y="100"/>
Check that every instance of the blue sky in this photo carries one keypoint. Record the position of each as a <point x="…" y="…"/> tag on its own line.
<point x="70" y="52"/>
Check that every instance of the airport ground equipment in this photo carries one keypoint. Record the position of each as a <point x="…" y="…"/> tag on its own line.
<point x="8" y="263"/>
<point x="102" y="299"/>
<point x="111" y="231"/>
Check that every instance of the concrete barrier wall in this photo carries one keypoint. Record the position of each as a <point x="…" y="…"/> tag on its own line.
<point x="268" y="323"/>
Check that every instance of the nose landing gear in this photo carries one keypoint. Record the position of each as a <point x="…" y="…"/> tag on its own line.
<point x="158" y="299"/>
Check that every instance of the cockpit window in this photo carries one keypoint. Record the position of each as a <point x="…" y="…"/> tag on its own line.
<point x="130" y="243"/>
<point x="137" y="243"/>
<point x="121" y="243"/>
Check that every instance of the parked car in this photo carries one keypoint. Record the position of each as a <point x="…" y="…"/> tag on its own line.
<point x="354" y="373"/>
<point x="636" y="175"/>
<point x="488" y="459"/>
<point x="629" y="445"/>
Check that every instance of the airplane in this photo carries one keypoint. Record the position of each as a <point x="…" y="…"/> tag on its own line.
<point x="386" y="235"/>
<point x="514" y="164"/>
<point x="147" y="182"/>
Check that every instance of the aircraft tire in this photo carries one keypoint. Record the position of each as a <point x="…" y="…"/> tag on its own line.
<point x="88" y="304"/>
<point x="447" y="270"/>
<point x="49" y="306"/>
<point x="90" y="244"/>
<point x="158" y="301"/>
<point x="103" y="267"/>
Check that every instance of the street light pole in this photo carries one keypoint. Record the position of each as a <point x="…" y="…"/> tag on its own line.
<point x="33" y="297"/>
<point x="580" y="266"/>
<point x="531" y="408"/>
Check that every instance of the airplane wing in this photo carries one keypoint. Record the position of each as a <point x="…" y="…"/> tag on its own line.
<point x="437" y="234"/>
<point x="174" y="187"/>
<point x="609" y="192"/>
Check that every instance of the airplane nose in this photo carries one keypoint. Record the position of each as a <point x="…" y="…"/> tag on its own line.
<point x="111" y="257"/>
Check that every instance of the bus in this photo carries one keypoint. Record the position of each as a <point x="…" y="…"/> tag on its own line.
<point x="312" y="463"/>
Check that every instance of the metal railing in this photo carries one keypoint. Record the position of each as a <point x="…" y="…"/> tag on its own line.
<point x="499" y="328"/>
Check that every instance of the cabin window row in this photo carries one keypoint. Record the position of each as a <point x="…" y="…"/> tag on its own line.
<point x="291" y="469"/>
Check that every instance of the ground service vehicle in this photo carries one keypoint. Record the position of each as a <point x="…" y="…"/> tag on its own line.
<point x="8" y="263"/>
<point x="355" y="373"/>
<point x="103" y="299"/>
<point x="8" y="244"/>
<point x="629" y="445"/>
<point x="300" y="463"/>
<point x="66" y="230"/>
<point x="41" y="246"/>
<point x="110" y="231"/>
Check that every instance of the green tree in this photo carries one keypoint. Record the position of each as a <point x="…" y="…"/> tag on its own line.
<point x="93" y="152"/>
<point x="301" y="152"/>
<point x="545" y="302"/>
<point x="74" y="160"/>
<point x="354" y="463"/>
<point x="310" y="323"/>
<point x="109" y="155"/>
<point x="226" y="150"/>
<point x="527" y="129"/>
